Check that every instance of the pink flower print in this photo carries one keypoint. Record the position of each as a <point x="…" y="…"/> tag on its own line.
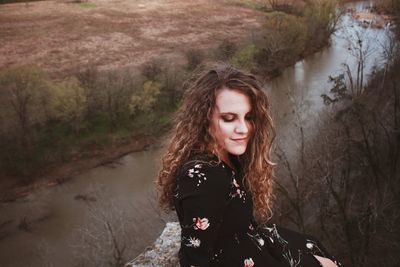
<point x="201" y="224"/>
<point x="190" y="172"/>
<point x="248" y="262"/>
<point x="235" y="183"/>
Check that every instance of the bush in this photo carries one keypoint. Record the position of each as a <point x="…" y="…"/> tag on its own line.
<point x="111" y="95"/>
<point x="244" y="58"/>
<point x="144" y="100"/>
<point x="25" y="100"/>
<point x="194" y="57"/>
<point x="226" y="50"/>
<point x="321" y="19"/>
<point x="70" y="103"/>
<point x="152" y="69"/>
<point x="171" y="80"/>
<point x="285" y="34"/>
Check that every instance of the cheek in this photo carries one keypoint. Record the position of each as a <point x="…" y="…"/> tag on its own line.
<point x="225" y="130"/>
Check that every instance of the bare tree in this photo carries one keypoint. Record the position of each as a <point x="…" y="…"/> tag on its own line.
<point x="115" y="230"/>
<point x="26" y="89"/>
<point x="360" y="48"/>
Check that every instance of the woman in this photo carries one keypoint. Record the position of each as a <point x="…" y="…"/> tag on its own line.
<point x="217" y="174"/>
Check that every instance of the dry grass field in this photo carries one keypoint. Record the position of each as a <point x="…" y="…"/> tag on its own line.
<point x="64" y="36"/>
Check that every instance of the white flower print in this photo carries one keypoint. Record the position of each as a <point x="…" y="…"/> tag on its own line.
<point x="248" y="262"/>
<point x="237" y="191"/>
<point x="193" y="242"/>
<point x="201" y="224"/>
<point x="286" y="253"/>
<point x="257" y="239"/>
<point x="251" y="227"/>
<point x="195" y="172"/>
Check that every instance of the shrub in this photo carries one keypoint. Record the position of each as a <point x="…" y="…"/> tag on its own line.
<point x="321" y="19"/>
<point x="25" y="100"/>
<point x="110" y="96"/>
<point x="152" y="69"/>
<point x="226" y="50"/>
<point x="285" y="33"/>
<point x="70" y="102"/>
<point x="284" y="41"/>
<point x="194" y="57"/>
<point x="171" y="80"/>
<point x="144" y="100"/>
<point x="244" y="58"/>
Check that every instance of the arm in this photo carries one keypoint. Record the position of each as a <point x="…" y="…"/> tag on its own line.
<point x="203" y="194"/>
<point x="325" y="261"/>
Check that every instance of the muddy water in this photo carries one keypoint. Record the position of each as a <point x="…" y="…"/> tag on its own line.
<point x="45" y="228"/>
<point x="56" y="216"/>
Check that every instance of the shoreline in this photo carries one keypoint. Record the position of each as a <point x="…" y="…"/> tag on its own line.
<point x="61" y="173"/>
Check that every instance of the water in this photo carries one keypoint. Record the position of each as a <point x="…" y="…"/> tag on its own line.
<point x="124" y="190"/>
<point x="127" y="182"/>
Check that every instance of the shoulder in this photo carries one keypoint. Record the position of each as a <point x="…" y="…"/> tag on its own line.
<point x="204" y="171"/>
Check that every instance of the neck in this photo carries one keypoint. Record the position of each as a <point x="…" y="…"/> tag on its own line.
<point x="225" y="158"/>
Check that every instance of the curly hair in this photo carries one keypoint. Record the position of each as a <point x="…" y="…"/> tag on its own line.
<point x="192" y="135"/>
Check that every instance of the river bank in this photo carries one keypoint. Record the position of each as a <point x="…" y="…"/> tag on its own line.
<point x="60" y="173"/>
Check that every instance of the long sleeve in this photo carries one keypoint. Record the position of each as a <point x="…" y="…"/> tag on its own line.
<point x="203" y="192"/>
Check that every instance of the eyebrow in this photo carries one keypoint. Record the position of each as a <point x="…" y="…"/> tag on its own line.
<point x="231" y="113"/>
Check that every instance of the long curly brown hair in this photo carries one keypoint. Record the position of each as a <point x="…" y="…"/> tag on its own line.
<point x="192" y="134"/>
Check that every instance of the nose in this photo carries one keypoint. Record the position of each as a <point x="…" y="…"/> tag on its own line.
<point x="242" y="127"/>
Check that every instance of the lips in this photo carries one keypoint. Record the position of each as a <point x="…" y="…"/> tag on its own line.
<point x="239" y="140"/>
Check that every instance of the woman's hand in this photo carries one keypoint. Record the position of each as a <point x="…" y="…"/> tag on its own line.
<point x="325" y="261"/>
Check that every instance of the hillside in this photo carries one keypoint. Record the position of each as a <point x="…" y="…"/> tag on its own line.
<point x="64" y="36"/>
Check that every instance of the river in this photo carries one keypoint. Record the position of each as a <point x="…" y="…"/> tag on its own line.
<point x="61" y="225"/>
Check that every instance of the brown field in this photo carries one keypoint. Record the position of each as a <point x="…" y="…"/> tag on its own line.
<point x="63" y="36"/>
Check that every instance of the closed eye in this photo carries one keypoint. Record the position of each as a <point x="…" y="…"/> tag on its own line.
<point x="228" y="118"/>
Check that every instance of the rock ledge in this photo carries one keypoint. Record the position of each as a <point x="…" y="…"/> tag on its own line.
<point x="163" y="252"/>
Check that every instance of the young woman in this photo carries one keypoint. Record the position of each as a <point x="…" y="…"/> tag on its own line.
<point x="217" y="175"/>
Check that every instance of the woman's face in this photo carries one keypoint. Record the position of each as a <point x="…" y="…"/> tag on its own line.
<point x="231" y="122"/>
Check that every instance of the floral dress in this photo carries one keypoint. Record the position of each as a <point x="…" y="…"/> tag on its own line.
<point x="218" y="229"/>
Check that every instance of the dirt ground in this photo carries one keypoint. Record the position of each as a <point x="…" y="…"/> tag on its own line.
<point x="64" y="36"/>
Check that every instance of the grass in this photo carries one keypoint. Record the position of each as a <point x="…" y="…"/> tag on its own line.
<point x="87" y="5"/>
<point x="17" y="1"/>
<point x="253" y="4"/>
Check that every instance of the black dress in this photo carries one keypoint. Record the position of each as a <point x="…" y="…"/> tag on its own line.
<point x="218" y="229"/>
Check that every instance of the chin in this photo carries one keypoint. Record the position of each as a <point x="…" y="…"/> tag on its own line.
<point x="237" y="151"/>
